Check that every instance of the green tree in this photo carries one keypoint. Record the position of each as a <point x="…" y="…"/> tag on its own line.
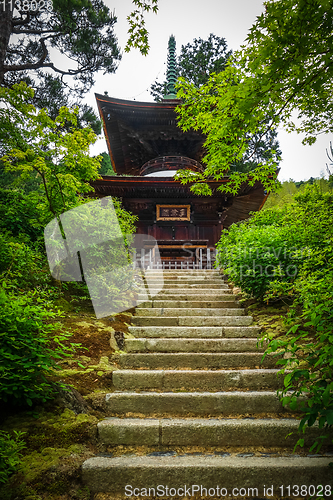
<point x="81" y="30"/>
<point x="106" y="166"/>
<point x="32" y="40"/>
<point x="54" y="150"/>
<point x="50" y="93"/>
<point x="196" y="61"/>
<point x="286" y="66"/>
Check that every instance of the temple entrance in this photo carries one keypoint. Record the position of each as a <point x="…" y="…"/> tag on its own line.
<point x="174" y="231"/>
<point x="176" y="254"/>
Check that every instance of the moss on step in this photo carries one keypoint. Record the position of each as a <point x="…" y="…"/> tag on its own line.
<point x="49" y="473"/>
<point x="57" y="445"/>
<point x="54" y="430"/>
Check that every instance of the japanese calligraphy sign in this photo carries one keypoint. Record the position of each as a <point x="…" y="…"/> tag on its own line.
<point x="173" y="212"/>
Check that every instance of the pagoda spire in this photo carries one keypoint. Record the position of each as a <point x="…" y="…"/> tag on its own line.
<point x="172" y="69"/>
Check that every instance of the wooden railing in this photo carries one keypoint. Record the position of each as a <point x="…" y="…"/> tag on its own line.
<point x="147" y="259"/>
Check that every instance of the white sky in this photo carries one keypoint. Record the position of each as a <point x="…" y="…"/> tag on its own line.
<point x="186" y="20"/>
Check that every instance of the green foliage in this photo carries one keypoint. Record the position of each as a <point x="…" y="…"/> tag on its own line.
<point x="303" y="231"/>
<point x="29" y="347"/>
<point x="137" y="31"/>
<point x="285" y="235"/>
<point x="10" y="453"/>
<point x="80" y="29"/>
<point x="52" y="94"/>
<point x="106" y="166"/>
<point x="54" y="149"/>
<point x="51" y="167"/>
<point x="108" y="260"/>
<point x="288" y="190"/>
<point x="212" y="109"/>
<point x="254" y="256"/>
<point x="21" y="263"/>
<point x="22" y="257"/>
<point x="197" y="60"/>
<point x="284" y="195"/>
<point x="19" y="214"/>
<point x="284" y="67"/>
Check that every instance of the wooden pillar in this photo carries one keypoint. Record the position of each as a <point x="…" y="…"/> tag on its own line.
<point x="142" y="258"/>
<point x="209" y="266"/>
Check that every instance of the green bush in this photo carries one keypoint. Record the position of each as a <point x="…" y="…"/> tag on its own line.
<point x="274" y="245"/>
<point x="302" y="231"/>
<point x="29" y="347"/>
<point x="10" y="453"/>
<point x="21" y="262"/>
<point x="19" y="213"/>
<point x="254" y="256"/>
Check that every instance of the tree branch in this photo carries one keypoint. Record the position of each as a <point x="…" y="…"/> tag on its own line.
<point x="32" y="32"/>
<point x="38" y="64"/>
<point x="21" y="22"/>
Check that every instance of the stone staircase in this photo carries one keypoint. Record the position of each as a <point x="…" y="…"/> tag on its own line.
<point x="194" y="406"/>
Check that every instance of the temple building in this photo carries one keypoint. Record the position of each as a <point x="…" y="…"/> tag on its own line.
<point x="146" y="148"/>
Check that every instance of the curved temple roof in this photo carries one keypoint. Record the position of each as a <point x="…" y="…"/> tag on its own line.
<point x="137" y="132"/>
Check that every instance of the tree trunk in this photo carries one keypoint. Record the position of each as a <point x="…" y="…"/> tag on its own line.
<point x="6" y="15"/>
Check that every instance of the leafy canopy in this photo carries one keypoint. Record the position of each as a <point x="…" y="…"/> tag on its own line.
<point x="54" y="150"/>
<point x="285" y="66"/>
<point x="81" y="30"/>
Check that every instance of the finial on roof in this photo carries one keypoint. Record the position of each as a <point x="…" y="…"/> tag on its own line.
<point x="172" y="69"/>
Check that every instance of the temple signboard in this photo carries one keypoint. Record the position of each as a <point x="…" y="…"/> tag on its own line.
<point x="173" y="212"/>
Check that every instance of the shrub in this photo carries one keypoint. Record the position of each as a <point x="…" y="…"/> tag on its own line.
<point x="302" y="230"/>
<point x="254" y="256"/>
<point x="26" y="355"/>
<point x="10" y="453"/>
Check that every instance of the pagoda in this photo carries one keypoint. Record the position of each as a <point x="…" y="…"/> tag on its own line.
<point x="146" y="148"/>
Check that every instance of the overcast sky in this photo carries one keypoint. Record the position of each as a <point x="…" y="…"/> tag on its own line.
<point x="186" y="20"/>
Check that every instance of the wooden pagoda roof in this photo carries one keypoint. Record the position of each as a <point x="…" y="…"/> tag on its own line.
<point x="137" y="132"/>
<point x="236" y="208"/>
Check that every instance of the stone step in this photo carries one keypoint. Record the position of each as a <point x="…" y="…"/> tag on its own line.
<point x="233" y="432"/>
<point x="194" y="331"/>
<point x="192" y="320"/>
<point x="188" y="297"/>
<point x="194" y="361"/>
<point x="167" y="275"/>
<point x="187" y="279"/>
<point x="180" y="293"/>
<point x="191" y="345"/>
<point x="171" y="311"/>
<point x="186" y="272"/>
<point x="191" y="286"/>
<point x="196" y="380"/>
<point x="193" y="403"/>
<point x="172" y="304"/>
<point x="235" y="476"/>
<point x="184" y="276"/>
